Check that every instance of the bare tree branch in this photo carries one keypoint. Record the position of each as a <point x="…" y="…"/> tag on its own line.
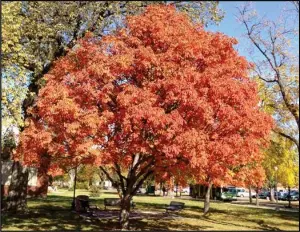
<point x="270" y="53"/>
<point x="109" y="177"/>
<point x="295" y="141"/>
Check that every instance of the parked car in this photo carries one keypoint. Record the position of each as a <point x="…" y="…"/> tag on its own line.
<point x="281" y="194"/>
<point x="242" y="192"/>
<point x="275" y="194"/>
<point x="186" y="190"/>
<point x="284" y="197"/>
<point x="183" y="190"/>
<point x="263" y="195"/>
<point x="294" y="196"/>
<point x="229" y="194"/>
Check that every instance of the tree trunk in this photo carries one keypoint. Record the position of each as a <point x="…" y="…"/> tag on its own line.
<point x="17" y="192"/>
<point x="289" y="197"/>
<point x="171" y="192"/>
<point x="250" y="195"/>
<point x="207" y="197"/>
<point x="272" y="196"/>
<point x="43" y="177"/>
<point x="257" y="200"/>
<point x="72" y="178"/>
<point x="160" y="188"/>
<point x="124" y="212"/>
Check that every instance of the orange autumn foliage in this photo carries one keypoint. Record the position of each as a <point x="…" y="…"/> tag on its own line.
<point x="252" y="175"/>
<point x="161" y="87"/>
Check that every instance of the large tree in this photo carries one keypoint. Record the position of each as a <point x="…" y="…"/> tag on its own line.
<point x="160" y="94"/>
<point x="36" y="33"/>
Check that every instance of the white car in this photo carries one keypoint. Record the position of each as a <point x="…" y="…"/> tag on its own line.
<point x="242" y="192"/>
<point x="184" y="190"/>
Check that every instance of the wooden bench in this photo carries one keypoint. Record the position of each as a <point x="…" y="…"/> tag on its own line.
<point x="175" y="206"/>
<point x="115" y="202"/>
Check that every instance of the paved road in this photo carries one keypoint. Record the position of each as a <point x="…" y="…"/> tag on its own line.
<point x="267" y="204"/>
<point x="263" y="204"/>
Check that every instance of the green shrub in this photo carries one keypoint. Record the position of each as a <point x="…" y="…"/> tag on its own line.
<point x="82" y="185"/>
<point x="94" y="191"/>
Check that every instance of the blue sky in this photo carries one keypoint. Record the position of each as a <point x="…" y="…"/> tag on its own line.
<point x="231" y="27"/>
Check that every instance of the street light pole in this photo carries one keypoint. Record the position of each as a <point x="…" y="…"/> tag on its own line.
<point x="276" y="169"/>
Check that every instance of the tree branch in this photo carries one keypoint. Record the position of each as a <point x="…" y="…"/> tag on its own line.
<point x="121" y="177"/>
<point x="294" y="140"/>
<point x="109" y="177"/>
<point x="274" y="66"/>
<point x="142" y="181"/>
<point x="291" y="107"/>
<point x="144" y="169"/>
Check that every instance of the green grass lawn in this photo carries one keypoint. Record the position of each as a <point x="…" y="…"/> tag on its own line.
<point x="54" y="213"/>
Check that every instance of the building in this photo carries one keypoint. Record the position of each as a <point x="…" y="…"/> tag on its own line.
<point x="107" y="184"/>
<point x="35" y="187"/>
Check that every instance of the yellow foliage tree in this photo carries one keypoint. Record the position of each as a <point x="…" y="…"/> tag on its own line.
<point x="283" y="155"/>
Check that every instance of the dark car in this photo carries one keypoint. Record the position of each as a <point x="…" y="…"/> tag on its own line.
<point x="282" y="195"/>
<point x="264" y="195"/>
<point x="294" y="196"/>
<point x="275" y="194"/>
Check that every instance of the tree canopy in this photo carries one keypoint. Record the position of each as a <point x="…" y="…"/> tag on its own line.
<point x="158" y="95"/>
<point x="36" y="33"/>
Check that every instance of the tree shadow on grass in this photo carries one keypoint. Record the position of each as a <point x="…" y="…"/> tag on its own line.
<point x="109" y="192"/>
<point x="260" y="224"/>
<point x="66" y="220"/>
<point x="164" y="225"/>
<point x="53" y="213"/>
<point x="59" y="221"/>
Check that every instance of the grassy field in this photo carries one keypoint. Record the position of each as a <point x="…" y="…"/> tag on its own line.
<point x="54" y="213"/>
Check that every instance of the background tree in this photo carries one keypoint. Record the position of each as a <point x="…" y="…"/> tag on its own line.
<point x="88" y="174"/>
<point x="159" y="95"/>
<point x="283" y="155"/>
<point x="256" y="178"/>
<point x="13" y="59"/>
<point x="8" y="144"/>
<point x="277" y="66"/>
